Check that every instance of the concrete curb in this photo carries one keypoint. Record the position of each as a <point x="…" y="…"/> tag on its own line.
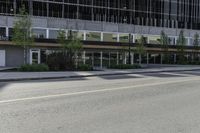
<point x="93" y="75"/>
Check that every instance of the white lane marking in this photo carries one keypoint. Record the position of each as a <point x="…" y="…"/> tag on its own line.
<point x="96" y="91"/>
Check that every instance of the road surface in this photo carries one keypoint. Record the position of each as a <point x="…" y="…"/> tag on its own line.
<point x="134" y="103"/>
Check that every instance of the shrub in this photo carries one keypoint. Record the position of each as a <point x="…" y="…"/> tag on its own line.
<point x="84" y="67"/>
<point x="55" y="61"/>
<point x="125" y="66"/>
<point x="34" y="68"/>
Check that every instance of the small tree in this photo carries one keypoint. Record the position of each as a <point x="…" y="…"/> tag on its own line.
<point x="164" y="41"/>
<point x="140" y="48"/>
<point x="71" y="46"/>
<point x="181" y="43"/>
<point x="22" y="35"/>
<point x="196" y="46"/>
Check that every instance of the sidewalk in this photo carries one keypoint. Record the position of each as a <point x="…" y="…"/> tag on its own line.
<point x="18" y="76"/>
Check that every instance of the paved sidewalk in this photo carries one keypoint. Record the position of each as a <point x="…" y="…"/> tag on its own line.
<point x="17" y="76"/>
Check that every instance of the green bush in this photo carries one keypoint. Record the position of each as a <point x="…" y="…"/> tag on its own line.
<point x="125" y="66"/>
<point x="34" y="68"/>
<point x="84" y="67"/>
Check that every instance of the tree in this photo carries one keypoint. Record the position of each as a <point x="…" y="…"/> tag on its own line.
<point x="164" y="41"/>
<point x="71" y="46"/>
<point x="196" y="46"/>
<point x="22" y="34"/>
<point x="140" y="48"/>
<point x="181" y="43"/>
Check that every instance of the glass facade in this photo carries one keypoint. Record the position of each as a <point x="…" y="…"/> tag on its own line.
<point x="160" y="13"/>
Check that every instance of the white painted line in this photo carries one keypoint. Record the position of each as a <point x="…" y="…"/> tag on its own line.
<point x="96" y="91"/>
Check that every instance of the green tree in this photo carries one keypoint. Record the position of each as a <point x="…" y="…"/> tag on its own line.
<point x="181" y="43"/>
<point x="22" y="34"/>
<point x="196" y="46"/>
<point x="71" y="47"/>
<point x="164" y="41"/>
<point x="140" y="48"/>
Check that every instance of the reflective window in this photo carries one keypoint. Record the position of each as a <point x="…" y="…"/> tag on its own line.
<point x="124" y="38"/>
<point x="172" y="41"/>
<point x="138" y="37"/>
<point x="78" y="34"/>
<point x="53" y="34"/>
<point x="2" y="33"/>
<point x="93" y="36"/>
<point x="39" y="33"/>
<point x="154" y="39"/>
<point x="109" y="37"/>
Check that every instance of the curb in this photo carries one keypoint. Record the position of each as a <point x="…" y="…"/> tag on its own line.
<point x="94" y="75"/>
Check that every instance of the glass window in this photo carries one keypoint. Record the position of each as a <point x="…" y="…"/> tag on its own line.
<point x="55" y="10"/>
<point x="39" y="8"/>
<point x="172" y="41"/>
<point x="53" y="34"/>
<point x="6" y="6"/>
<point x="39" y="33"/>
<point x="93" y="36"/>
<point x="78" y="34"/>
<point x="110" y="37"/>
<point x="124" y="38"/>
<point x="2" y="33"/>
<point x="137" y="37"/>
<point x="154" y="39"/>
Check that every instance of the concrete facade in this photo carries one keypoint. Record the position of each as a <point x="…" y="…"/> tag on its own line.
<point x="59" y="23"/>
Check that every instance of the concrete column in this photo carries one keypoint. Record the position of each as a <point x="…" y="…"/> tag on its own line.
<point x="101" y="60"/>
<point x="147" y="58"/>
<point x="133" y="38"/>
<point x="161" y="58"/>
<point x="117" y="58"/>
<point x="132" y="58"/>
<point x="101" y="36"/>
<point x="47" y="33"/>
<point x="125" y="58"/>
<point x="85" y="35"/>
<point x="84" y="57"/>
<point x="7" y="32"/>
<point x="118" y="38"/>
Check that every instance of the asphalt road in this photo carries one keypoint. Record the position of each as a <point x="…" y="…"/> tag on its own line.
<point x="145" y="103"/>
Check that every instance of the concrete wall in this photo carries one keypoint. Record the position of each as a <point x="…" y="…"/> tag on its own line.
<point x="14" y="55"/>
<point x="59" y="23"/>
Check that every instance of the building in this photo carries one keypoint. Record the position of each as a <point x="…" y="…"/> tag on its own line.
<point x="105" y="26"/>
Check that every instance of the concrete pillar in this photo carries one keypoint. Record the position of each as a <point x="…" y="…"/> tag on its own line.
<point x="133" y="38"/>
<point x="118" y="38"/>
<point x="47" y="33"/>
<point x="101" y="60"/>
<point x="125" y="58"/>
<point x="132" y="58"/>
<point x="101" y="36"/>
<point x="84" y="57"/>
<point x="161" y="58"/>
<point x="117" y="58"/>
<point x="7" y="32"/>
<point x="85" y="35"/>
